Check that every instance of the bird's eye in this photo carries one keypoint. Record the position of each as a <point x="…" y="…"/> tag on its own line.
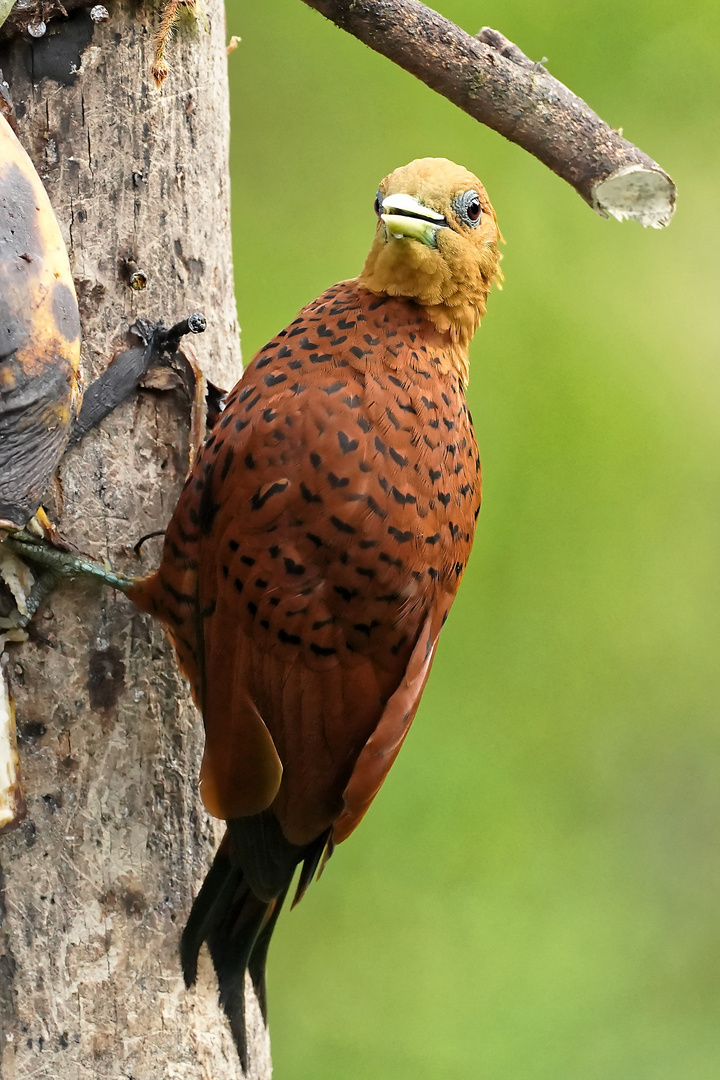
<point x="468" y="208"/>
<point x="378" y="203"/>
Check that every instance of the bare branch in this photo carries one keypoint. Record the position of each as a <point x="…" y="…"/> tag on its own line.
<point x="493" y="81"/>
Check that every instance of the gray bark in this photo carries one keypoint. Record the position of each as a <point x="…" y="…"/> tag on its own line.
<point x="96" y="884"/>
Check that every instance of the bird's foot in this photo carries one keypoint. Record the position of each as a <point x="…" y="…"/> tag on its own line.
<point x="57" y="564"/>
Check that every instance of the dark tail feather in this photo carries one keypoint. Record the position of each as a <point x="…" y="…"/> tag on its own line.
<point x="258" y="957"/>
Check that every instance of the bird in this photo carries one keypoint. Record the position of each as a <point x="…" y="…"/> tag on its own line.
<point x="40" y="380"/>
<point x="315" y="552"/>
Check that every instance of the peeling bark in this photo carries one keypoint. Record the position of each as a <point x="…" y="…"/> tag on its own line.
<point x="96" y="884"/>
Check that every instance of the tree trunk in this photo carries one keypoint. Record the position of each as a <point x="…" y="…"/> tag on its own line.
<point x="97" y="883"/>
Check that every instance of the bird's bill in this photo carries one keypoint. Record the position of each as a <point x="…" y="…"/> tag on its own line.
<point x="405" y="216"/>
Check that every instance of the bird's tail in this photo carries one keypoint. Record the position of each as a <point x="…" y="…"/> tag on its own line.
<point x="237" y="908"/>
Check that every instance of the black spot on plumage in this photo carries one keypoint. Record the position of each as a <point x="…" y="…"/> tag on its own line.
<point x="380" y="445"/>
<point x="261" y="497"/>
<point x="288" y="639"/>
<point x="428" y="402"/>
<point x="263" y="361"/>
<point x="435" y="475"/>
<point x="434" y="539"/>
<point x="296" y="388"/>
<point x="397" y="534"/>
<point x="322" y="650"/>
<point x="476" y="513"/>
<point x="178" y="597"/>
<point x="353" y="402"/>
<point x="269" y="415"/>
<point x="432" y="573"/>
<point x="347" y="594"/>
<point x="339" y="340"/>
<point x="444" y="497"/>
<point x="373" y="506"/>
<point x="465" y="490"/>
<point x="363" y="423"/>
<point x="392" y="418"/>
<point x="252" y="608"/>
<point x="347" y="445"/>
<point x="333" y="388"/>
<point x="308" y="495"/>
<point x="323" y="331"/>
<point x="409" y="408"/>
<point x="396" y="382"/>
<point x="227" y="419"/>
<point x="449" y="424"/>
<point x="275" y="380"/>
<point x="252" y="403"/>
<point x="434" y="424"/>
<point x="346" y="324"/>
<point x="227" y="464"/>
<point x="296" y="365"/>
<point x="342" y="526"/>
<point x="249" y="461"/>
<point x="314" y="539"/>
<point x="365" y="571"/>
<point x="308" y="345"/>
<point x="367" y="544"/>
<point x="454" y="530"/>
<point x="364" y="466"/>
<point x="398" y="457"/>
<point x="395" y="649"/>
<point x="384" y="484"/>
<point x="245" y="394"/>
<point x="273" y="551"/>
<point x="373" y="341"/>
<point x="240" y="424"/>
<point x="338" y="481"/>
<point x="315" y="460"/>
<point x="357" y="352"/>
<point x="248" y="560"/>
<point x="261" y="583"/>
<point x="292" y="567"/>
<point x="377" y="302"/>
<point x="384" y="557"/>
<point x="283" y="352"/>
<point x="225" y="570"/>
<point x="321" y="623"/>
<point x="320" y="359"/>
<point x="207" y="510"/>
<point x="296" y="331"/>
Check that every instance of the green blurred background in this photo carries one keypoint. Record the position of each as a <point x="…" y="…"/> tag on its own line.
<point x="536" y="891"/>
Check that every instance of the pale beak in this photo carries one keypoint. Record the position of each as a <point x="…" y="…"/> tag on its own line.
<point x="406" y="217"/>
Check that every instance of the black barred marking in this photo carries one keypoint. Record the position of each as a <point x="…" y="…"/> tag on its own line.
<point x="308" y="345"/>
<point x="288" y="639"/>
<point x="322" y="650"/>
<point x="297" y="330"/>
<point x="339" y="340"/>
<point x="240" y="424"/>
<point x="377" y="510"/>
<point x="274" y="380"/>
<point x="210" y="441"/>
<point x="338" y="481"/>
<point x="363" y="424"/>
<point x="435" y="475"/>
<point x="261" y="497"/>
<point x="358" y="352"/>
<point x="408" y="408"/>
<point x="227" y="464"/>
<point x="428" y="402"/>
<point x="365" y="571"/>
<point x="346" y="324"/>
<point x="445" y="398"/>
<point x="396" y="382"/>
<point x="227" y="419"/>
<point x="347" y="594"/>
<point x="251" y="404"/>
<point x="248" y="560"/>
<point x="397" y="534"/>
<point x="315" y="460"/>
<point x="347" y="445"/>
<point x="323" y="623"/>
<point x="398" y="563"/>
<point x="269" y="415"/>
<point x="292" y="567"/>
<point x="323" y="331"/>
<point x="320" y="359"/>
<point x="307" y="494"/>
<point x="249" y="461"/>
<point x="392" y="418"/>
<point x="284" y="352"/>
<point x="245" y="394"/>
<point x="187" y="538"/>
<point x="314" y="539"/>
<point x="207" y="509"/>
<point x="444" y="497"/>
<point x="402" y="499"/>
<point x="365" y="545"/>
<point x="398" y="458"/>
<point x="333" y="389"/>
<point x="342" y="526"/>
<point x="378" y="302"/>
<point x="263" y="361"/>
<point x="380" y="445"/>
<point x="434" y="539"/>
<point x="178" y="597"/>
<point x="296" y="365"/>
<point x="384" y="484"/>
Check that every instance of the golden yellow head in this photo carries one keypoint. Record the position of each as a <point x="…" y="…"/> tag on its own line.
<point x="436" y="243"/>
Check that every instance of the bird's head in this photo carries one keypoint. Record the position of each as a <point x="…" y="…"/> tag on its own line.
<point x="436" y="243"/>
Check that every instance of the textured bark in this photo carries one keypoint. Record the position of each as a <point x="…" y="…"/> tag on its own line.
<point x="493" y="81"/>
<point x="96" y="884"/>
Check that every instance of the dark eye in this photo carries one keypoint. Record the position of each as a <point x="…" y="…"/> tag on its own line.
<point x="468" y="209"/>
<point x="378" y="203"/>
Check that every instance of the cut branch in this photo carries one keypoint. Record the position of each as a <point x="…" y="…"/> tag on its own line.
<point x="489" y="78"/>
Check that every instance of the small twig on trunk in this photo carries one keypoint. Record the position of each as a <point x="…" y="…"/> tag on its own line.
<point x="491" y="79"/>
